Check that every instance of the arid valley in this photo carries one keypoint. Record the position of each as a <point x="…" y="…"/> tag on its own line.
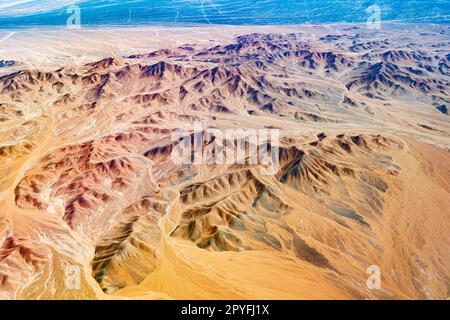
<point x="88" y="180"/>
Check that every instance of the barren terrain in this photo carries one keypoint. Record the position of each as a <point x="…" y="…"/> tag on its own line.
<point x="87" y="179"/>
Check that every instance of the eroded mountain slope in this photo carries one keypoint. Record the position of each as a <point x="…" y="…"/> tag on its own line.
<point x="88" y="177"/>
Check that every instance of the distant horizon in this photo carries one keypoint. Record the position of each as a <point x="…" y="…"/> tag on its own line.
<point x="87" y="27"/>
<point x="217" y="12"/>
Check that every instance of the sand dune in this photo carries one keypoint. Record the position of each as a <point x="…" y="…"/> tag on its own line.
<point x="88" y="177"/>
